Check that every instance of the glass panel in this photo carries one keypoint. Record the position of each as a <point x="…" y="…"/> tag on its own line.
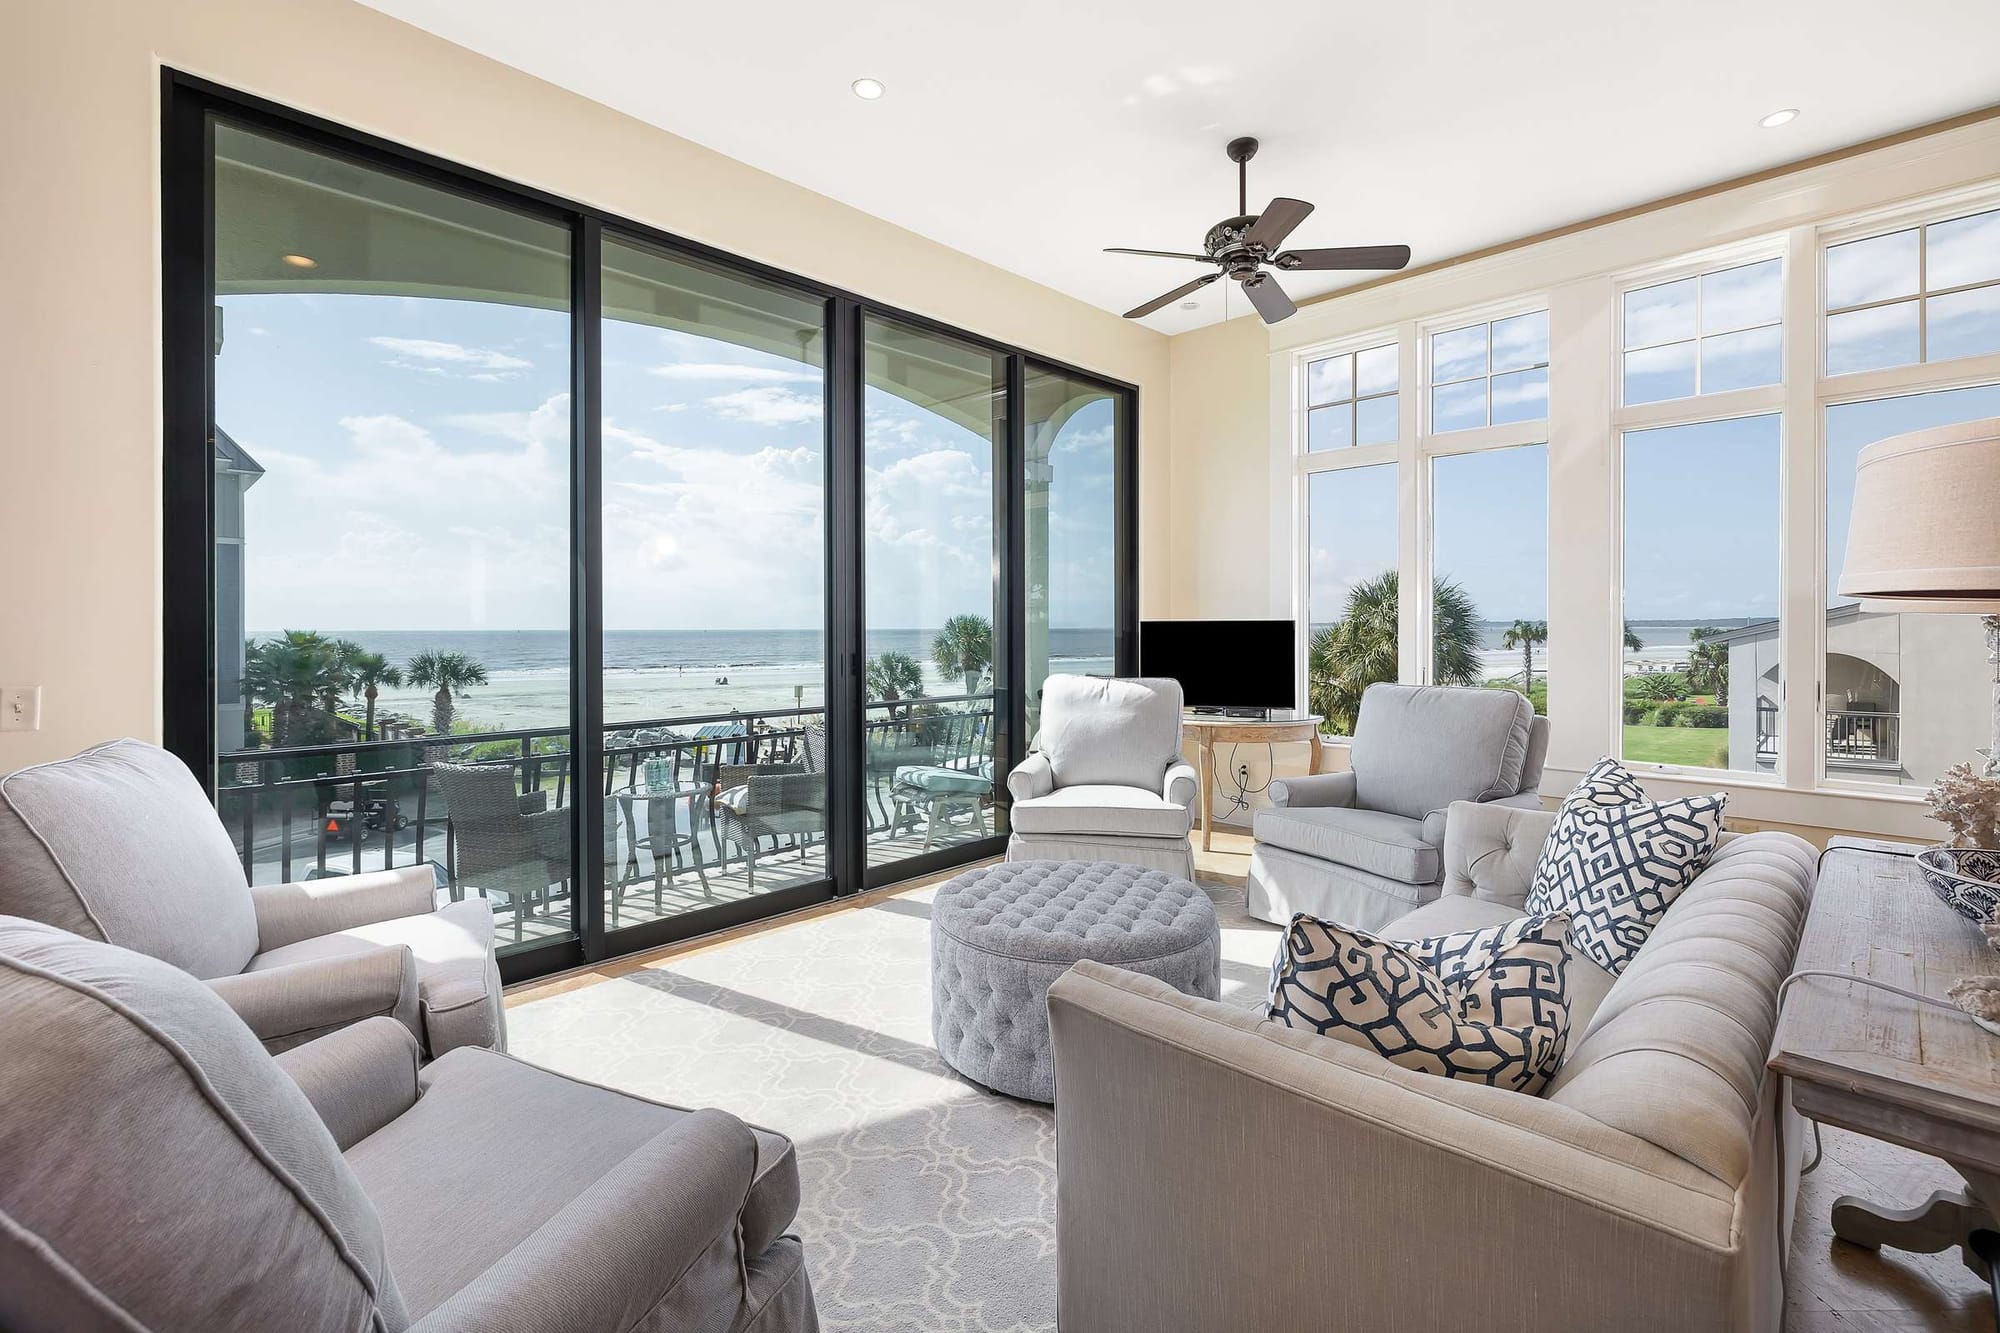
<point x="1072" y="529"/>
<point x="1521" y="341"/>
<point x="1350" y="588"/>
<point x="1870" y="339"/>
<point x="1664" y="313"/>
<point x="1962" y="324"/>
<point x="1701" y="595"/>
<point x="1376" y="370"/>
<point x="1745" y="360"/>
<point x="392" y="442"/>
<point x="714" y="647"/>
<point x="1521" y="396"/>
<point x="1962" y="251"/>
<point x="1742" y="297"/>
<point x="1458" y="354"/>
<point x="1907" y="695"/>
<point x="1330" y="427"/>
<point x="1458" y="406"/>
<point x="1656" y="374"/>
<point x="1330" y="381"/>
<point x="1877" y="269"/>
<point x="1490" y="562"/>
<point x="1376" y="420"/>
<point x="932" y="439"/>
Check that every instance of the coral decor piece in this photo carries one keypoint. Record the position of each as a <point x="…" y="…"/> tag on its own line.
<point x="1979" y="997"/>
<point x="1968" y="803"/>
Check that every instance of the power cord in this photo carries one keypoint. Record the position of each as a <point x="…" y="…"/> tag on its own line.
<point x="1238" y="779"/>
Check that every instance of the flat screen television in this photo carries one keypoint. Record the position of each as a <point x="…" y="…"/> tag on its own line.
<point x="1225" y="665"/>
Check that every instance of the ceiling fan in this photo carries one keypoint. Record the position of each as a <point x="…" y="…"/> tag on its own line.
<point x="1243" y="245"/>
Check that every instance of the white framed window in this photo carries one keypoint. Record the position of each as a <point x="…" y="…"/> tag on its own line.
<point x="1706" y="333"/>
<point x="1491" y="373"/>
<point x="1925" y="292"/>
<point x="1353" y="398"/>
<point x="1489" y="568"/>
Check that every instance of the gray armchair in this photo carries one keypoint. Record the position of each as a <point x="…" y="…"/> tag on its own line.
<point x="1106" y="781"/>
<point x="502" y="841"/>
<point x="775" y="800"/>
<point x="159" y="1171"/>
<point x="1365" y="846"/>
<point x="120" y="844"/>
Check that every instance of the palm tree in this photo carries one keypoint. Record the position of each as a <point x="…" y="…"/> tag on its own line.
<point x="894" y="676"/>
<point x="1708" y="663"/>
<point x="1525" y="634"/>
<point x="447" y="673"/>
<point x="296" y="673"/>
<point x="964" y="647"/>
<point x="1632" y="641"/>
<point x="368" y="672"/>
<point x="1359" y="650"/>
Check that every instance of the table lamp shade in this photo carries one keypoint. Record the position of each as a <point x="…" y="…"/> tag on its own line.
<point x="1925" y="530"/>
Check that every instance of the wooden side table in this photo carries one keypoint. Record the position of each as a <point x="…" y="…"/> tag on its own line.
<point x="1211" y="729"/>
<point x="1889" y="1067"/>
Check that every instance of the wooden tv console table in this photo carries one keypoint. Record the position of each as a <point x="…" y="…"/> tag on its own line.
<point x="1211" y="729"/>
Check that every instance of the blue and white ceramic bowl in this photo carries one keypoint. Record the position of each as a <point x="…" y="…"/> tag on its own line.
<point x="1967" y="878"/>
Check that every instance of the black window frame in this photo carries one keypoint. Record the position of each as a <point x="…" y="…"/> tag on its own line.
<point x="190" y="106"/>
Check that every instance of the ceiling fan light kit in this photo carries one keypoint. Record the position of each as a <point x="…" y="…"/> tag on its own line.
<point x="1244" y="246"/>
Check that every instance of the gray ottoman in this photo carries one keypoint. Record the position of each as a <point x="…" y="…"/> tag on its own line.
<point x="1001" y="934"/>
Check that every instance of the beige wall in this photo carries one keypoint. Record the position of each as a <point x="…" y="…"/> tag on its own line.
<point x="1221" y="472"/>
<point x="79" y="246"/>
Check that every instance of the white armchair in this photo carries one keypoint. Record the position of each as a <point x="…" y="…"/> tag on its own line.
<point x="1106" y="781"/>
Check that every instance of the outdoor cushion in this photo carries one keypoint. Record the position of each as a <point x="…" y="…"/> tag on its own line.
<point x="1419" y="748"/>
<point x="1372" y="840"/>
<point x="120" y="843"/>
<point x="1103" y="731"/>
<point x="485" y="1145"/>
<point x="944" y="781"/>
<point x="1103" y="809"/>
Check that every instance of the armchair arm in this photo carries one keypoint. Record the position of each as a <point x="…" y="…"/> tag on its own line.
<point x="1149" y="1082"/>
<point x="1527" y="800"/>
<point x="1032" y="777"/>
<point x="647" y="1233"/>
<point x="287" y="1006"/>
<point x="1183" y="784"/>
<point x="288" y="913"/>
<point x="1318" y="789"/>
<point x="358" y="1078"/>
<point x="533" y="802"/>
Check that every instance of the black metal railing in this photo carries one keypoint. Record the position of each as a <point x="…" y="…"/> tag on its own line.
<point x="1853" y="736"/>
<point x="311" y="811"/>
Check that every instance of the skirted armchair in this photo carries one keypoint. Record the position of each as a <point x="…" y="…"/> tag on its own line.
<point x="119" y="843"/>
<point x="1366" y="846"/>
<point x="1106" y="781"/>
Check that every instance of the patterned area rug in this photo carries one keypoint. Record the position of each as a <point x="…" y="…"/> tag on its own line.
<point x="928" y="1202"/>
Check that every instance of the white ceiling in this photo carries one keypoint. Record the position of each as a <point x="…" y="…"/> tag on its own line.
<point x="1032" y="133"/>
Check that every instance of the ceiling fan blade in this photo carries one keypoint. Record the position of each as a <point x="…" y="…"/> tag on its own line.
<point x="1269" y="298"/>
<point x="1346" y="256"/>
<point x="1140" y="312"/>
<point x="1163" y="254"/>
<point x="1276" y="222"/>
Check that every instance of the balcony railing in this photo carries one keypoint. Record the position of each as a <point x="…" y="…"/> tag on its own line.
<point x="311" y="811"/>
<point x="1854" y="738"/>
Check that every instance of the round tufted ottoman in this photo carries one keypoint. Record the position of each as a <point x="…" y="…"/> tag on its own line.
<point x="1001" y="934"/>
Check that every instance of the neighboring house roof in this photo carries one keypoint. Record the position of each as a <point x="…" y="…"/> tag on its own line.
<point x="1768" y="629"/>
<point x="234" y="456"/>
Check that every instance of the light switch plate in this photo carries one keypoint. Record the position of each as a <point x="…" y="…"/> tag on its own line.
<point x="20" y="708"/>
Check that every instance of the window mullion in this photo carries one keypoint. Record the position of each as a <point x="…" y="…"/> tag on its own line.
<point x="1802" y="523"/>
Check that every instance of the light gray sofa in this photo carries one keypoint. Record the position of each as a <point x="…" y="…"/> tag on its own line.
<point x="160" y="1172"/>
<point x="1365" y="846"/>
<point x="1218" y="1170"/>
<point x="1106" y="781"/>
<point x="119" y="843"/>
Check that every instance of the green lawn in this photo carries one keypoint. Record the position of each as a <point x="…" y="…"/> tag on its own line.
<point x="1694" y="747"/>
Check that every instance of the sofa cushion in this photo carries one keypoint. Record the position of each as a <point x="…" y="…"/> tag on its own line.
<point x="1587" y="984"/>
<point x="1131" y="811"/>
<point x="1372" y="840"/>
<point x="158" y="1157"/>
<point x="1419" y="748"/>
<point x="1102" y="731"/>
<point x="1486" y="1006"/>
<point x="1615" y="861"/>
<point x="434" y="1167"/>
<point x="119" y="843"/>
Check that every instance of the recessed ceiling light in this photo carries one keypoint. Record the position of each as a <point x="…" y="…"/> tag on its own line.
<point x="301" y="261"/>
<point x="868" y="89"/>
<point x="1190" y="305"/>
<point x="1777" y="118"/>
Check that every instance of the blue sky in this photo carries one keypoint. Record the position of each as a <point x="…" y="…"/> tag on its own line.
<point x="417" y="476"/>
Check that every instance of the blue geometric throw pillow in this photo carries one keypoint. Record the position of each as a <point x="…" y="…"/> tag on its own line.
<point x="1489" y="1006"/>
<point x="1615" y="861"/>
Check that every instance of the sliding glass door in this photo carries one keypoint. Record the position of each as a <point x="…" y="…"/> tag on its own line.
<point x="634" y="588"/>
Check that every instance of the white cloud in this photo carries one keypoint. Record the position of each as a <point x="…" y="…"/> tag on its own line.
<point x="735" y="374"/>
<point x="768" y="405"/>
<point x="447" y="358"/>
